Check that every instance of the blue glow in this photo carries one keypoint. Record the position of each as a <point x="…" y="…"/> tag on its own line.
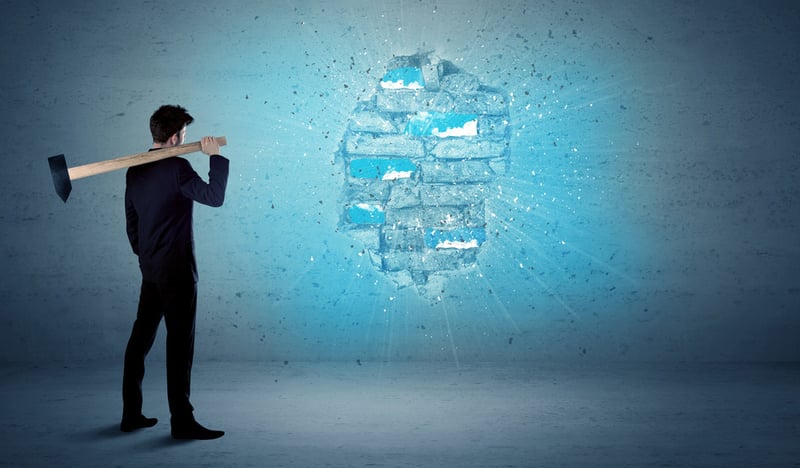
<point x="381" y="168"/>
<point x="459" y="238"/>
<point x="366" y="214"/>
<point x="433" y="123"/>
<point x="421" y="156"/>
<point x="403" y="77"/>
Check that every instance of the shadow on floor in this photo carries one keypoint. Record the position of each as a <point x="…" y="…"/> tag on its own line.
<point x="146" y="439"/>
<point x="110" y="431"/>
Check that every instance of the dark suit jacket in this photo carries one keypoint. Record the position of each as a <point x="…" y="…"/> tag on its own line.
<point x="159" y="197"/>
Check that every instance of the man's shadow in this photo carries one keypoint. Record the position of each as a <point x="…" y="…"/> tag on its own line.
<point x="106" y="432"/>
<point x="162" y="442"/>
<point x="152" y="440"/>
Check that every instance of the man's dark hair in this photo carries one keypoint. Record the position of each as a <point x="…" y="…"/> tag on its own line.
<point x="167" y="121"/>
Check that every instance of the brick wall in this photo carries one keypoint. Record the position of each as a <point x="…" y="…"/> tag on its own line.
<point x="418" y="158"/>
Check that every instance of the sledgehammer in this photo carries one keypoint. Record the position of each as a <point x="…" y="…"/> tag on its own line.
<point x="63" y="177"/>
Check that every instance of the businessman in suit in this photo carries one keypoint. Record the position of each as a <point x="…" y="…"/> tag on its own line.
<point x="159" y="198"/>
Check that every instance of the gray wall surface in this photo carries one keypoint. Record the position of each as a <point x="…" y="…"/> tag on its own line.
<point x="650" y="210"/>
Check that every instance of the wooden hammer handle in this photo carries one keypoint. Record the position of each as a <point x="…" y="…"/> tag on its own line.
<point x="100" y="167"/>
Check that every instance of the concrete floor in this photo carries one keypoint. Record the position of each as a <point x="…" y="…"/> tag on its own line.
<point x="413" y="414"/>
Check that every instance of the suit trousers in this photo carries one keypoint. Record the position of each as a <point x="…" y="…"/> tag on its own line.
<point x="177" y="304"/>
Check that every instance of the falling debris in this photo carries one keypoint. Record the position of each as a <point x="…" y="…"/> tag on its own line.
<point x="419" y="158"/>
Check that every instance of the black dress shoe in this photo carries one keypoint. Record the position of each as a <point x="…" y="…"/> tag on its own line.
<point x="192" y="430"/>
<point x="130" y="424"/>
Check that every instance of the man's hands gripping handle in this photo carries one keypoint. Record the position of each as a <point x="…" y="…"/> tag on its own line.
<point x="210" y="146"/>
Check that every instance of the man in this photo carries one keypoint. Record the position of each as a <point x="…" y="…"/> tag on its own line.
<point x="159" y="197"/>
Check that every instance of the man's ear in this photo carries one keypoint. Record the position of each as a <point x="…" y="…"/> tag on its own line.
<point x="173" y="140"/>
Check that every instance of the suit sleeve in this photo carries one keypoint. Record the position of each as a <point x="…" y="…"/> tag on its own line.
<point x="211" y="193"/>
<point x="132" y="223"/>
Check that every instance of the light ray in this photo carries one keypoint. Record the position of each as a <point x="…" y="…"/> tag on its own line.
<point x="451" y="338"/>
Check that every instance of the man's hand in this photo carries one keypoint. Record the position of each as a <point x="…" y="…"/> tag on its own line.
<point x="209" y="145"/>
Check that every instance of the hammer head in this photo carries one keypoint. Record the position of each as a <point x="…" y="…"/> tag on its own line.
<point x="58" y="168"/>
